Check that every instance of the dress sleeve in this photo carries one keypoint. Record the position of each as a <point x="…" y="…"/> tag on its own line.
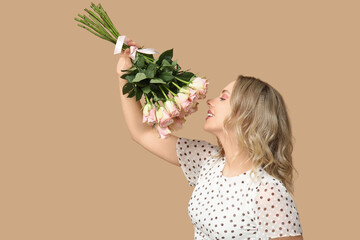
<point x="192" y="154"/>
<point x="275" y="211"/>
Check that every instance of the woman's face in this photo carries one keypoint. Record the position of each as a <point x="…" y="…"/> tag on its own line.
<point x="220" y="108"/>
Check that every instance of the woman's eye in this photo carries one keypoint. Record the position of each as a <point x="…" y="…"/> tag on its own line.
<point x="222" y="99"/>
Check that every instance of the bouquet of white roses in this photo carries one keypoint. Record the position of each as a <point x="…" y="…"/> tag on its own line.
<point x="159" y="80"/>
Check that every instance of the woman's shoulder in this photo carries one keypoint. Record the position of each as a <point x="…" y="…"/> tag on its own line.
<point x="267" y="180"/>
<point x="274" y="206"/>
<point x="195" y="157"/>
<point x="272" y="187"/>
<point x="197" y="147"/>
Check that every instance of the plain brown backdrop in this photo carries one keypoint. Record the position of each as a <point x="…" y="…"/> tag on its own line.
<point x="69" y="169"/>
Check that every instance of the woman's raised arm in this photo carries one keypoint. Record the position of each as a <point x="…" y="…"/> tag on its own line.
<point x="131" y="108"/>
<point x="140" y="132"/>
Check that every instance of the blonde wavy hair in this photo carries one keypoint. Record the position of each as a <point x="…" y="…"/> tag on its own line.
<point x="261" y="123"/>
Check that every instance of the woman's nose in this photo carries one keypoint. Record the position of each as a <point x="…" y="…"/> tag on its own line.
<point x="208" y="102"/>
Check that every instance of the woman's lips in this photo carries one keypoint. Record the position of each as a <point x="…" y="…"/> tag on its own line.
<point x="208" y="116"/>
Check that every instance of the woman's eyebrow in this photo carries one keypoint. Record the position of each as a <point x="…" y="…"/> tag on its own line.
<point x="225" y="91"/>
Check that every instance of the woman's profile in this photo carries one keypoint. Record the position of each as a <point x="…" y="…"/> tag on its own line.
<point x="243" y="184"/>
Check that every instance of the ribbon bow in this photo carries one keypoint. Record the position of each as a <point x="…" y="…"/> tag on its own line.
<point x="133" y="49"/>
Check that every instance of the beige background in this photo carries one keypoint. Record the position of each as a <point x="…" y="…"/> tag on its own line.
<point x="69" y="169"/>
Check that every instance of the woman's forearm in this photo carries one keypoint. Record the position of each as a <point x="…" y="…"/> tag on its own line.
<point x="132" y="113"/>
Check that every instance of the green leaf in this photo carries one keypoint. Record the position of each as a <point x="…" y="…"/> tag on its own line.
<point x="166" y="76"/>
<point x="127" y="88"/>
<point x="139" y="77"/>
<point x="157" y="80"/>
<point x="142" y="83"/>
<point x="153" y="88"/>
<point x="155" y="97"/>
<point x="141" y="61"/>
<point x="151" y="70"/>
<point x="157" y="62"/>
<point x="129" y="77"/>
<point x="139" y="93"/>
<point x="168" y="54"/>
<point x="132" y="93"/>
<point x="185" y="76"/>
<point x="166" y="63"/>
<point x="129" y="70"/>
<point x="146" y="89"/>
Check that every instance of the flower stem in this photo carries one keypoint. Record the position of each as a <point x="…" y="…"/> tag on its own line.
<point x="163" y="92"/>
<point x="103" y="22"/>
<point x="176" y="85"/>
<point x="99" y="23"/>
<point x="108" y="21"/>
<point x="147" y="99"/>
<point x="181" y="80"/>
<point x="169" y="90"/>
<point x="94" y="32"/>
<point x="86" y="21"/>
<point x="96" y="22"/>
<point x="150" y="59"/>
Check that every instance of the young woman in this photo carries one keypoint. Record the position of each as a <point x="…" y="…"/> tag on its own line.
<point x="243" y="185"/>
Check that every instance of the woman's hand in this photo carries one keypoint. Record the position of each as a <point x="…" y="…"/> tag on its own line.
<point x="125" y="60"/>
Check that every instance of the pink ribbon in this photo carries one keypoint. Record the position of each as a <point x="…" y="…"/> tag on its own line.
<point x="133" y="49"/>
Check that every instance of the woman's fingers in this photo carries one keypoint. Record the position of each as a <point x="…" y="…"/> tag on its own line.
<point x="125" y="52"/>
<point x="132" y="43"/>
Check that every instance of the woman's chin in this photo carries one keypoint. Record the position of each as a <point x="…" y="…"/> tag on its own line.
<point x="206" y="128"/>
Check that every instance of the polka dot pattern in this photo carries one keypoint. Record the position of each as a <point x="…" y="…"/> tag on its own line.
<point x="192" y="154"/>
<point x="275" y="211"/>
<point x="235" y="207"/>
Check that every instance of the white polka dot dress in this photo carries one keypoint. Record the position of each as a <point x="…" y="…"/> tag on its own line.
<point x="234" y="207"/>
